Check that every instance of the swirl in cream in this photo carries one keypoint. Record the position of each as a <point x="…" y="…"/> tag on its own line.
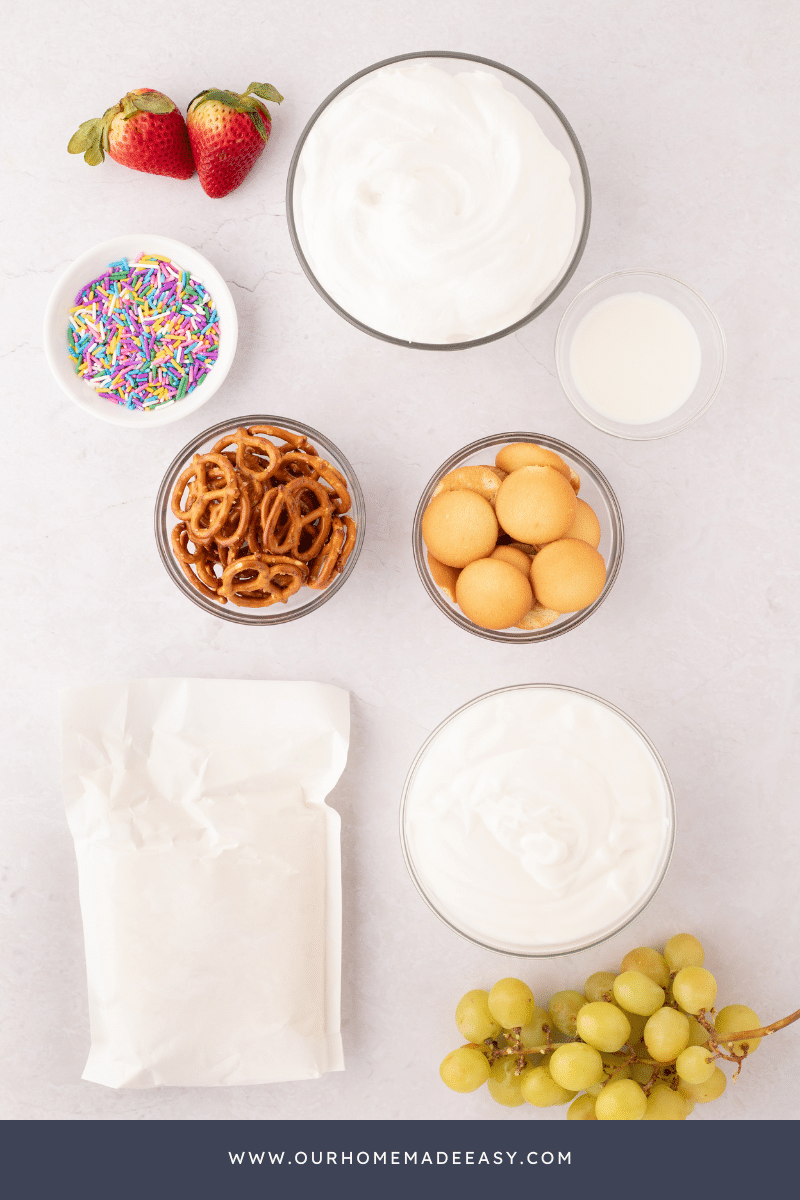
<point x="433" y="207"/>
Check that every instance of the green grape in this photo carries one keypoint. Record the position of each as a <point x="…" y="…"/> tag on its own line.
<point x="697" y="1035"/>
<point x="534" y="1033"/>
<point x="701" y="1093"/>
<point x="576" y="1066"/>
<point x="540" y="1089"/>
<point x="599" y="986"/>
<point x="474" y="1021"/>
<point x="621" y="1100"/>
<point x="641" y="1072"/>
<point x="564" y="1008"/>
<point x="637" y="993"/>
<point x="582" y="1109"/>
<point x="694" y="988"/>
<point x="683" y="950"/>
<point x="664" y="1104"/>
<point x="614" y="1067"/>
<point x="666" y="1034"/>
<point x="649" y="962"/>
<point x="504" y="1083"/>
<point x="694" y="1064"/>
<point x="465" y="1069"/>
<point x="637" y="1024"/>
<point x="736" y="1018"/>
<point x="511" y="1003"/>
<point x="603" y="1026"/>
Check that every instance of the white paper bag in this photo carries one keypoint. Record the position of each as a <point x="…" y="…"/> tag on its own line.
<point x="210" y="879"/>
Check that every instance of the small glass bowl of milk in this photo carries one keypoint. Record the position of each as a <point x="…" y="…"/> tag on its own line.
<point x="640" y="354"/>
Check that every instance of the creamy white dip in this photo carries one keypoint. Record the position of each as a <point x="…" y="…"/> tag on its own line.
<point x="537" y="817"/>
<point x="433" y="208"/>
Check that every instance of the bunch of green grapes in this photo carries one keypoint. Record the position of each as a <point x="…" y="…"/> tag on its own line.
<point x="642" y="1044"/>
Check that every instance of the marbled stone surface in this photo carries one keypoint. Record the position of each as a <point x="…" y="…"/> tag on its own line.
<point x="687" y="115"/>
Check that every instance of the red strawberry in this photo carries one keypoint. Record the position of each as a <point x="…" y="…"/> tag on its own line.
<point x="144" y="131"/>
<point x="228" y="132"/>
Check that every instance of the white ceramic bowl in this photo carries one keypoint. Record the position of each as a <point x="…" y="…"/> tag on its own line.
<point x="702" y="319"/>
<point x="92" y="264"/>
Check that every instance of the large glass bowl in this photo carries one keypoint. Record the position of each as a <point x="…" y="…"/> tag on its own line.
<point x="306" y="600"/>
<point x="595" y="933"/>
<point x="595" y="490"/>
<point x="553" y="123"/>
<point x="702" y="319"/>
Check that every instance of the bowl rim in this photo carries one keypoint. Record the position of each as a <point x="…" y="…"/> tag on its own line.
<point x="663" y="862"/>
<point x="517" y="636"/>
<point x="227" y="612"/>
<point x="114" y="414"/>
<point x="491" y="337"/>
<point x="645" y="432"/>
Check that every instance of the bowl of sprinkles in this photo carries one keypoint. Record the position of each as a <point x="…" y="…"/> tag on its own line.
<point x="140" y="331"/>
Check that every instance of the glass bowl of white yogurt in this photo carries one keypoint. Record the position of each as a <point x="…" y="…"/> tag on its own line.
<point x="592" y="488"/>
<point x="640" y="354"/>
<point x="438" y="200"/>
<point x="537" y="820"/>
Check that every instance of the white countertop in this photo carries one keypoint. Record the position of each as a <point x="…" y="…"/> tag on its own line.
<point x="687" y="116"/>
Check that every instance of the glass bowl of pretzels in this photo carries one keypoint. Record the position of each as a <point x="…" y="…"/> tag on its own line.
<point x="259" y="520"/>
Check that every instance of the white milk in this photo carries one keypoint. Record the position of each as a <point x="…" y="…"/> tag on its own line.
<point x="537" y="817"/>
<point x="635" y="358"/>
<point x="434" y="208"/>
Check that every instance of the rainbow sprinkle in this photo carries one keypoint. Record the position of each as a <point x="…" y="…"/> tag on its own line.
<point x="143" y="334"/>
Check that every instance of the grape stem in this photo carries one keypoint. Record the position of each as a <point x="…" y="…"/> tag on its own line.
<point x="715" y="1040"/>
<point x="518" y="1050"/>
<point x="750" y="1034"/>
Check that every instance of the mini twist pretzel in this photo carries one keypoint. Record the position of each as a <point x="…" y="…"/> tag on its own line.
<point x="288" y="515"/>
<point x="334" y="479"/>
<point x="202" y="577"/>
<point x="244" y="509"/>
<point x="294" y="441"/>
<point x="211" y="486"/>
<point x="299" y="467"/>
<point x="213" y="497"/>
<point x="195" y="479"/>
<point x="257" y="581"/>
<point x="255" y="458"/>
<point x="350" y="541"/>
<point x="251" y="452"/>
<point x="324" y="564"/>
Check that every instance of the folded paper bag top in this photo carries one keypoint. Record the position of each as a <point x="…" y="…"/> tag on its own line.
<point x="210" y="881"/>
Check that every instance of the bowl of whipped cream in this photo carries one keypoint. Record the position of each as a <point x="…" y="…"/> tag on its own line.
<point x="438" y="200"/>
<point x="537" y="820"/>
